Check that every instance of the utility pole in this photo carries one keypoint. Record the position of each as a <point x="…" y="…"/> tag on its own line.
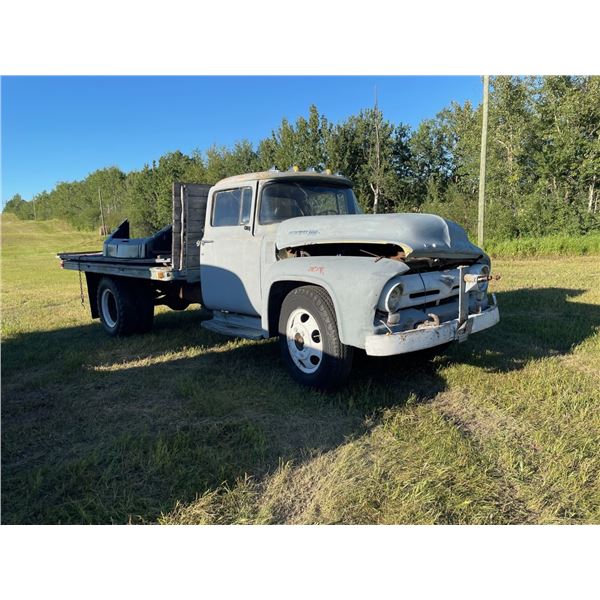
<point x="375" y="185"/>
<point x="101" y="213"/>
<point x="33" y="202"/>
<point x="484" y="127"/>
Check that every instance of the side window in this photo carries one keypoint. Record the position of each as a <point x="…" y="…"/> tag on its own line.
<point x="246" y="206"/>
<point x="232" y="207"/>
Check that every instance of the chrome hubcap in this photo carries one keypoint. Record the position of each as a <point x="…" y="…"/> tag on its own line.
<point x="304" y="340"/>
<point x="109" y="308"/>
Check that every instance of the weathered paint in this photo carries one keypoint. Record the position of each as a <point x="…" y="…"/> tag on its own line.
<point x="354" y="284"/>
<point x="429" y="337"/>
<point x="230" y="263"/>
<point x="430" y="286"/>
<point x="420" y="235"/>
<point x="274" y="175"/>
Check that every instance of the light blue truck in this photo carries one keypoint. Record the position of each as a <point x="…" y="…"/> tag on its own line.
<point x="289" y="254"/>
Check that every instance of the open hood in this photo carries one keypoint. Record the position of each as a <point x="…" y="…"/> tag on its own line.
<point x="419" y="235"/>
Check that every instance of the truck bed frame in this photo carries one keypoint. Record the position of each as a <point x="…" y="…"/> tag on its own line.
<point x="171" y="278"/>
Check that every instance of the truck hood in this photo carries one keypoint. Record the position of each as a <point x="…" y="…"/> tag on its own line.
<point x="419" y="235"/>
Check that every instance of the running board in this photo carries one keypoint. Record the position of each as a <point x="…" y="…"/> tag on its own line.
<point x="240" y="327"/>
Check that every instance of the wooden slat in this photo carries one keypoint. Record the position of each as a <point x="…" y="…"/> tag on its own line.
<point x="192" y="250"/>
<point x="176" y="237"/>
<point x="196" y="197"/>
<point x="194" y="216"/>
<point x="191" y="247"/>
<point x="195" y="227"/>
<point x="197" y="213"/>
<point x="195" y="221"/>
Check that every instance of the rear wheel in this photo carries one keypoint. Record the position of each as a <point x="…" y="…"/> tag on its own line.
<point x="309" y="341"/>
<point x="176" y="303"/>
<point x="121" y="310"/>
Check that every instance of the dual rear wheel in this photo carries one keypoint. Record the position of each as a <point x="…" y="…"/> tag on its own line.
<point x="124" y="308"/>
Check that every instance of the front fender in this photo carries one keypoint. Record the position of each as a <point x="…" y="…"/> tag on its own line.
<point x="353" y="282"/>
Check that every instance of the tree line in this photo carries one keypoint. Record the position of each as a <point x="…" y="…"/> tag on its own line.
<point x="543" y="163"/>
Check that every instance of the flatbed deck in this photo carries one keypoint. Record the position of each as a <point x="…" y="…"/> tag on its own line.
<point x="157" y="268"/>
<point x="97" y="256"/>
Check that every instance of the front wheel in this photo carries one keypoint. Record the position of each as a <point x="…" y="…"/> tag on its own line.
<point x="309" y="340"/>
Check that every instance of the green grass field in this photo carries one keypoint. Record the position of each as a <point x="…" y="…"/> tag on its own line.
<point x="185" y="426"/>
<point x="555" y="246"/>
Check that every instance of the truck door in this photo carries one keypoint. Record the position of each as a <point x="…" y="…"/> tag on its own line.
<point x="230" y="254"/>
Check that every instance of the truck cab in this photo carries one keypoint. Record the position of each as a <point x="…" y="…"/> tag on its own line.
<point x="243" y="216"/>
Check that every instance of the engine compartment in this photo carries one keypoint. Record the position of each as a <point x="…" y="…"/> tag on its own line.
<point x="377" y="251"/>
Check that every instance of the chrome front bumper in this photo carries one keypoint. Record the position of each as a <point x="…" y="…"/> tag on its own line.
<point x="403" y="342"/>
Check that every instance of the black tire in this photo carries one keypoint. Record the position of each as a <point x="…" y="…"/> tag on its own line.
<point x="175" y="303"/>
<point x="329" y="369"/>
<point x="117" y="307"/>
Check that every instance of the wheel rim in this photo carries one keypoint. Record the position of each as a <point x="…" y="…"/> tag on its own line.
<point x="304" y="340"/>
<point x="109" y="308"/>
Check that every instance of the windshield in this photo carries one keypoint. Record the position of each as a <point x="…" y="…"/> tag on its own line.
<point x="283" y="200"/>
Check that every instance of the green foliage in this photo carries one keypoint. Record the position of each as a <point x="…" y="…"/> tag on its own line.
<point x="556" y="245"/>
<point x="149" y="191"/>
<point x="543" y="162"/>
<point x="222" y="162"/>
<point x="457" y="206"/>
<point x="303" y="143"/>
<point x="352" y="150"/>
<point x="19" y="207"/>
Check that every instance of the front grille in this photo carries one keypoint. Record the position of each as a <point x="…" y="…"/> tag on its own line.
<point x="423" y="294"/>
<point x="447" y="300"/>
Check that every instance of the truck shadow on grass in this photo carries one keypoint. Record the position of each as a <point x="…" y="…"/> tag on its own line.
<point x="97" y="430"/>
<point x="534" y="324"/>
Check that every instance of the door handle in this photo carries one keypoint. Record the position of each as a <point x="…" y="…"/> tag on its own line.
<point x="202" y="242"/>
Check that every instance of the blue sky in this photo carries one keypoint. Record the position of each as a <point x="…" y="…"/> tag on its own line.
<point x="62" y="128"/>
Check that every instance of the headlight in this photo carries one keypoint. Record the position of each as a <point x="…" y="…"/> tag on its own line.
<point x="394" y="298"/>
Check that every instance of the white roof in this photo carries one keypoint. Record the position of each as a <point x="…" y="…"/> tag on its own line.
<point x="262" y="175"/>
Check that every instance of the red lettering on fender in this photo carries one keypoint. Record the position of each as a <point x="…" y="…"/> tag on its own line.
<point x="316" y="269"/>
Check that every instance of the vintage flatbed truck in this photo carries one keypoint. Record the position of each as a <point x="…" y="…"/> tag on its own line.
<point x="289" y="254"/>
